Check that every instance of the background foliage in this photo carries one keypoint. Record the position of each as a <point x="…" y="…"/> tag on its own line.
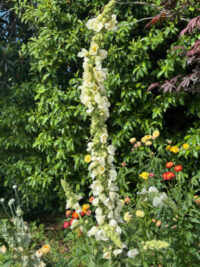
<point x="43" y="125"/>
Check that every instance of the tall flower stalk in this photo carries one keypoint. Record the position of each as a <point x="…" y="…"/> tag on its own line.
<point x="100" y="153"/>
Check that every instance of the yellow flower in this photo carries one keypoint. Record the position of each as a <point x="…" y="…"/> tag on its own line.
<point x="168" y="147"/>
<point x="156" y="133"/>
<point x="148" y="143"/>
<point x="148" y="137"/>
<point x="139" y="213"/>
<point x="85" y="206"/>
<point x="132" y="140"/>
<point x="3" y="249"/>
<point x="88" y="158"/>
<point x="174" y="149"/>
<point x="45" y="249"/>
<point x="127" y="217"/>
<point x="144" y="175"/>
<point x="185" y="146"/>
<point x="144" y="139"/>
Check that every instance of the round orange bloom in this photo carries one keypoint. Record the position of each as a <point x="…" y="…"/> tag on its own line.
<point x="45" y="249"/>
<point x="169" y="164"/>
<point x="178" y="168"/>
<point x="158" y="223"/>
<point x="75" y="215"/>
<point x="127" y="200"/>
<point x="67" y="213"/>
<point x="91" y="199"/>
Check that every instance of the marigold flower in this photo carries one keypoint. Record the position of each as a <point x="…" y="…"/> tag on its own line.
<point x="178" y="168"/>
<point x="88" y="158"/>
<point x="168" y="175"/>
<point x="45" y="249"/>
<point x="197" y="199"/>
<point x="168" y="147"/>
<point x="144" y="175"/>
<point x="174" y="149"/>
<point x="185" y="146"/>
<point x="75" y="215"/>
<point x="156" y="133"/>
<point x="139" y="213"/>
<point x="169" y="164"/>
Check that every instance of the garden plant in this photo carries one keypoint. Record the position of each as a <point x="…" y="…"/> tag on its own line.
<point x="120" y="145"/>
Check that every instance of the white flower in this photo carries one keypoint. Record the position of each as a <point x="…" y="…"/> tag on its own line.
<point x="102" y="197"/>
<point x="94" y="174"/>
<point x="99" y="75"/>
<point x="74" y="223"/>
<point x="157" y="202"/>
<point x="102" y="53"/>
<point x="77" y="207"/>
<point x="111" y="25"/>
<point x="39" y="253"/>
<point x="92" y="231"/>
<point x="97" y="188"/>
<point x="92" y="165"/>
<point x="94" y="49"/>
<point x="103" y="138"/>
<point x="82" y="53"/>
<point x="11" y="201"/>
<point x="101" y="169"/>
<point x="113" y="175"/>
<point x="14" y="186"/>
<point x="101" y="235"/>
<point x="99" y="211"/>
<point x="100" y="219"/>
<point x="110" y="159"/>
<point x="153" y="189"/>
<point x="94" y="24"/>
<point x="113" y="223"/>
<point x="112" y="186"/>
<point x="109" y="204"/>
<point x="107" y="255"/>
<point x="110" y="215"/>
<point x="113" y="196"/>
<point x="90" y="23"/>
<point x="90" y="146"/>
<point x="116" y="252"/>
<point x="42" y="264"/>
<point x="90" y="108"/>
<point x="132" y="253"/>
<point x="3" y="249"/>
<point x="95" y="202"/>
<point x="118" y="230"/>
<point x="2" y="200"/>
<point x="111" y="150"/>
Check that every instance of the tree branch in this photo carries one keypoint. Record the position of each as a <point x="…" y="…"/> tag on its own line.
<point x="139" y="3"/>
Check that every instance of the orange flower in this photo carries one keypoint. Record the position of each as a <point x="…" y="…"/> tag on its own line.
<point x="75" y="215"/>
<point x="45" y="249"/>
<point x="169" y="164"/>
<point x="91" y="199"/>
<point x="67" y="213"/>
<point x="127" y="200"/>
<point x="178" y="168"/>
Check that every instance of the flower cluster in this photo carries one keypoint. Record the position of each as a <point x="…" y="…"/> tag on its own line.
<point x="176" y="149"/>
<point x="101" y="155"/>
<point x="146" y="140"/>
<point x="171" y="175"/>
<point x="73" y="216"/>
